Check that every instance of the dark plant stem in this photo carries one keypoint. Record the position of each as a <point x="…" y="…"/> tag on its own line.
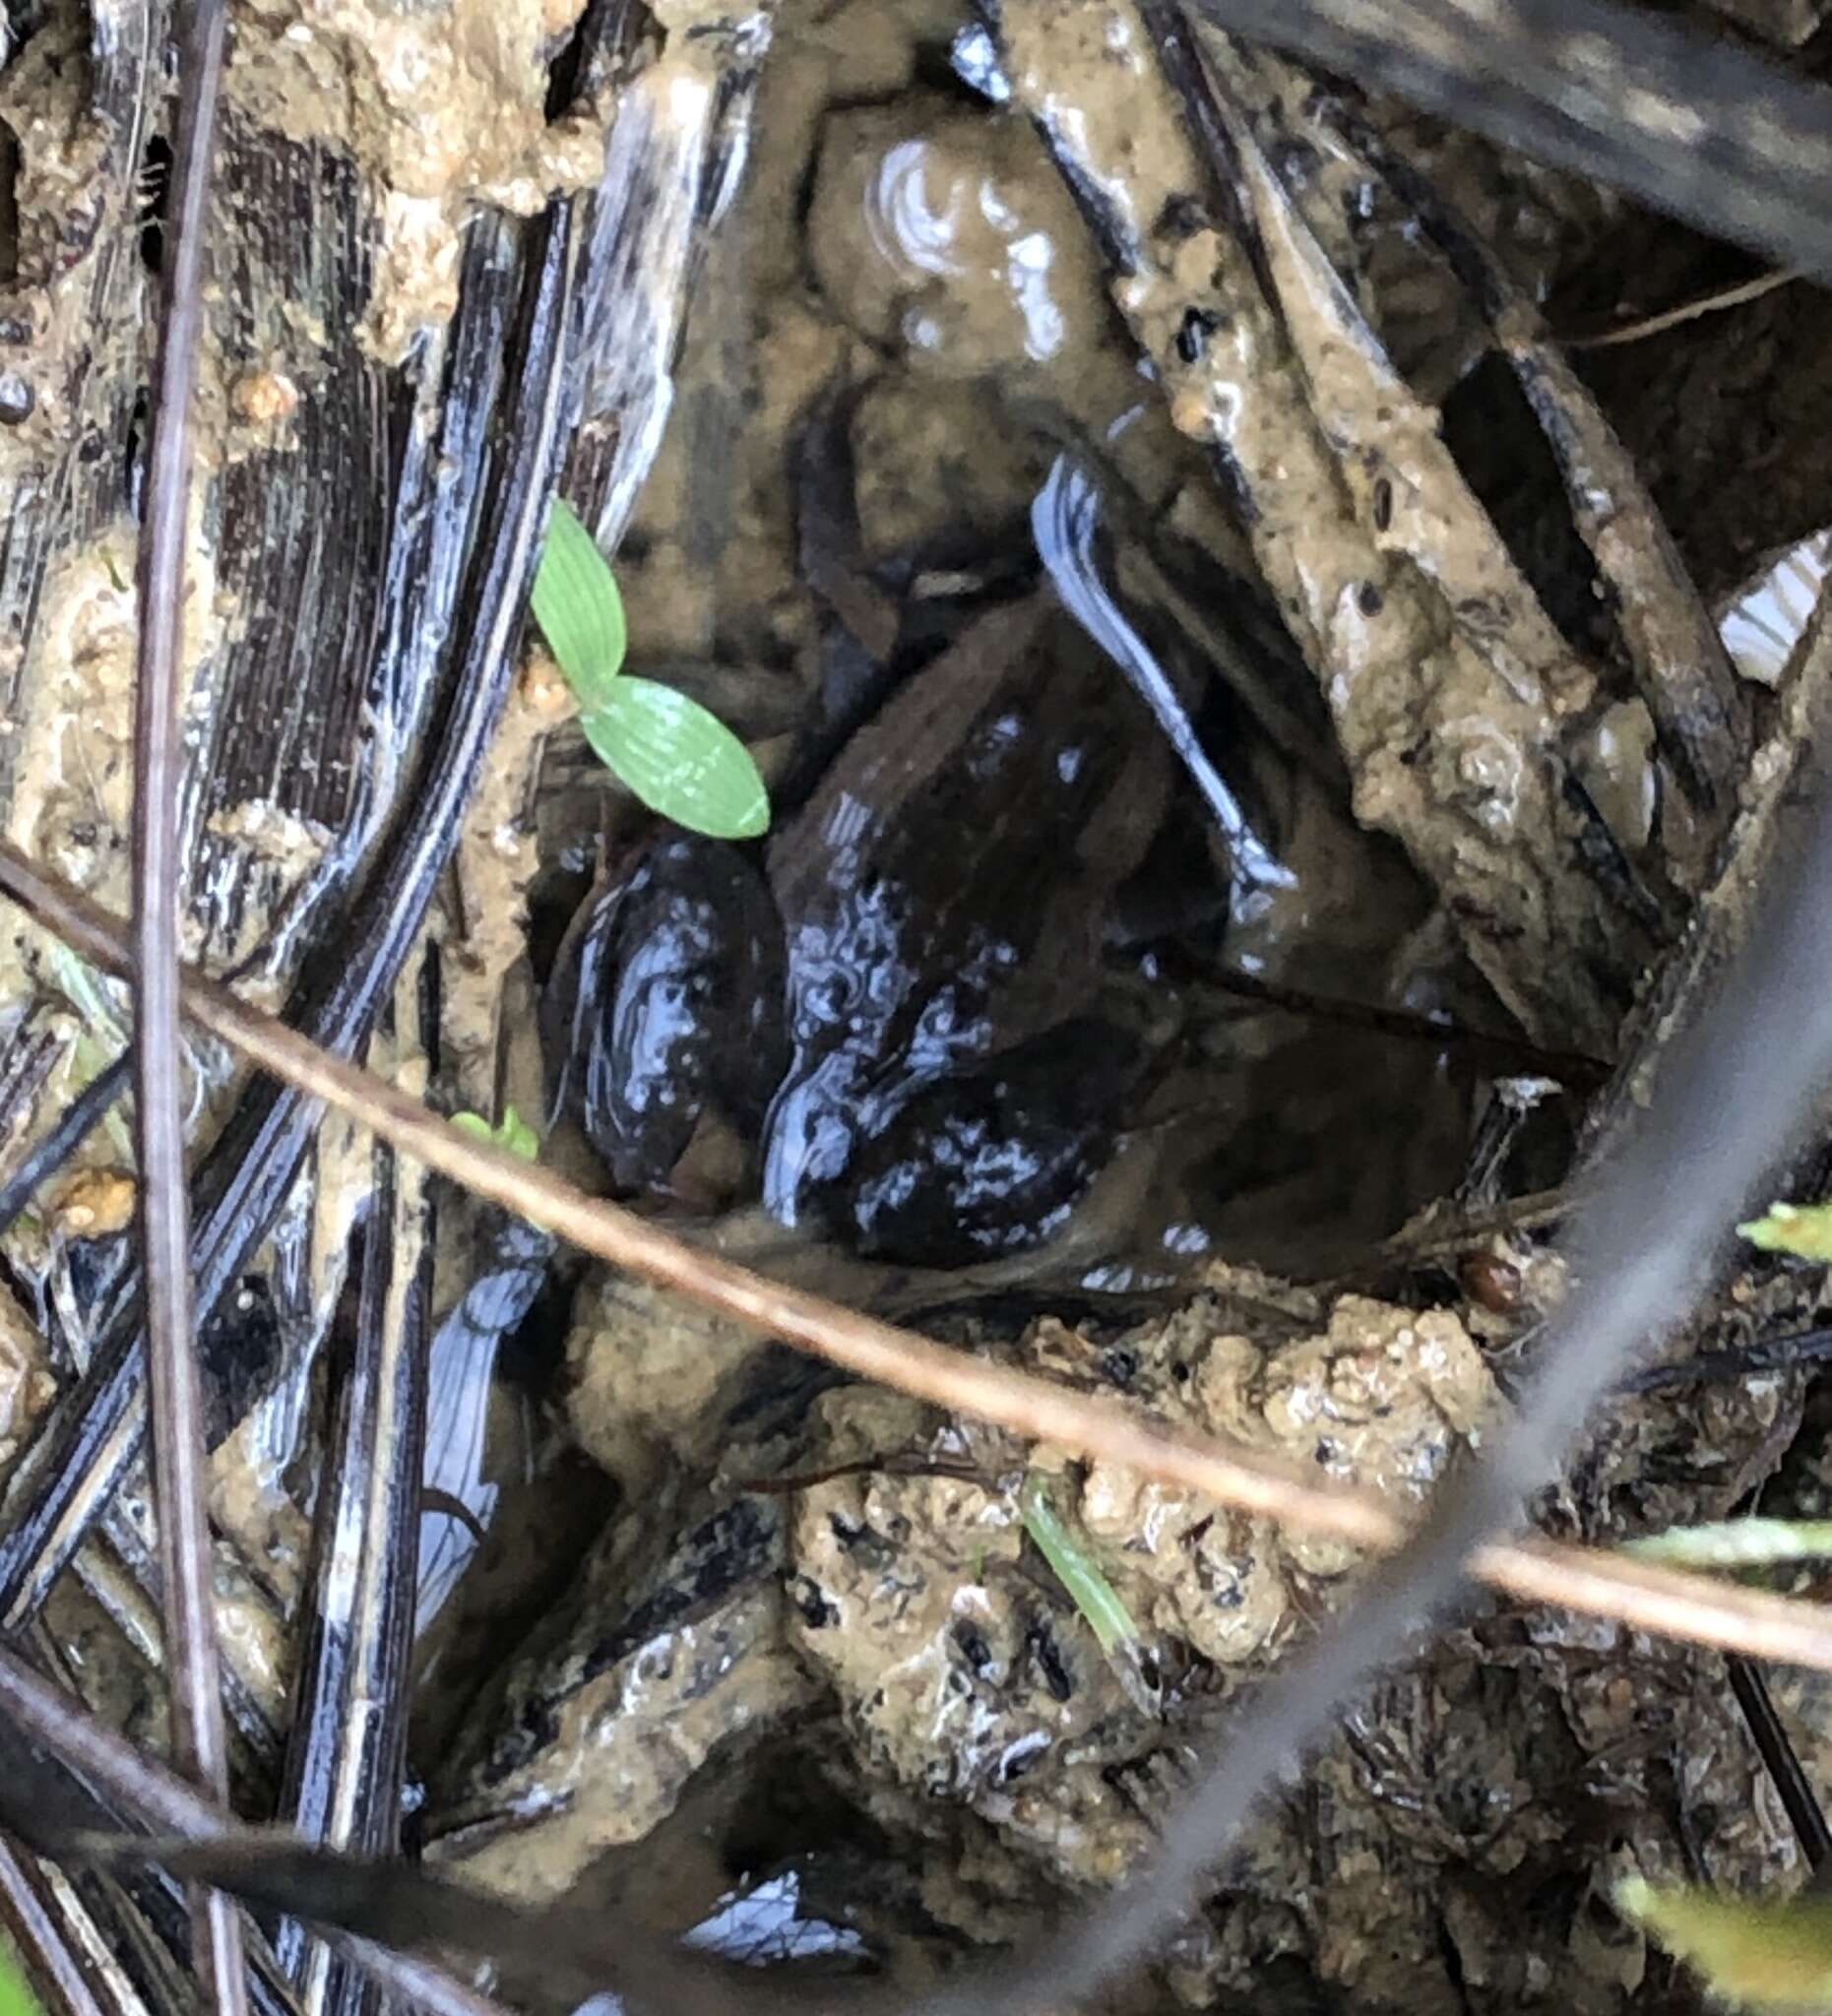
<point x="1594" y="86"/>
<point x="71" y="1127"/>
<point x="1791" y="1353"/>
<point x="1781" y="1760"/>
<point x="176" y="1402"/>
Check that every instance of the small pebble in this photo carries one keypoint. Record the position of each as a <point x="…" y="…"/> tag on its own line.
<point x="263" y="398"/>
<point x="544" y="686"/>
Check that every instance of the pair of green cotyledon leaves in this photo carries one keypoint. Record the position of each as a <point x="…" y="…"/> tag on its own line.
<point x="677" y="758"/>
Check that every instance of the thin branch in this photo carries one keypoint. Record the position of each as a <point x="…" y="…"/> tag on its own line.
<point x="177" y="1416"/>
<point x="1714" y="303"/>
<point x="1500" y="1052"/>
<point x="1663" y="1601"/>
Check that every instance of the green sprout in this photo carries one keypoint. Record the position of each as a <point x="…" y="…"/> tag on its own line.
<point x="512" y="1133"/>
<point x="16" y="1995"/>
<point x="1101" y="1608"/>
<point x="1737" y="1544"/>
<point x="1803" y="1230"/>
<point x="1759" y="1953"/>
<point x="102" y="1037"/>
<point x="680" y="760"/>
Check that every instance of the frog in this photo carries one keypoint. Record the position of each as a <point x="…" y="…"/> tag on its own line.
<point x="892" y="1002"/>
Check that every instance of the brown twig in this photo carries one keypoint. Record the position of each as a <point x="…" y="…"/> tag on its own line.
<point x="1713" y="303"/>
<point x="176" y="1403"/>
<point x="1663" y="1601"/>
<point x="1499" y="1052"/>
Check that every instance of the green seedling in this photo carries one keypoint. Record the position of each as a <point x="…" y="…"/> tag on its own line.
<point x="103" y="1035"/>
<point x="1092" y="1594"/>
<point x="680" y="760"/>
<point x="512" y="1133"/>
<point x="16" y="1995"/>
<point x="1737" y="1544"/>
<point x="1803" y="1230"/>
<point x="1757" y="1953"/>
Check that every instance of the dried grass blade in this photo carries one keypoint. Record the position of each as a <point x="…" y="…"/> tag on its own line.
<point x="348" y="1751"/>
<point x="53" y="1935"/>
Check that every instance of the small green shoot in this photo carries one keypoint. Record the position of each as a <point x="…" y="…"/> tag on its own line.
<point x="1803" y="1230"/>
<point x="16" y="1995"/>
<point x="82" y="986"/>
<point x="512" y="1133"/>
<point x="1756" y="1953"/>
<point x="1737" y="1544"/>
<point x="680" y="760"/>
<point x="105" y="1032"/>
<point x="1100" y="1604"/>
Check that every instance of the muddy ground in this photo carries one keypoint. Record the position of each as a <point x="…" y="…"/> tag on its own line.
<point x="1256" y="780"/>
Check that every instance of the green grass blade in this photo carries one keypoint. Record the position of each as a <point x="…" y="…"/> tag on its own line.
<point x="1076" y="1569"/>
<point x="1101" y="1606"/>
<point x="514" y="1133"/>
<point x="16" y="1995"/>
<point x="577" y="608"/>
<point x="680" y="760"/>
<point x="1758" y="1953"/>
<point x="1737" y="1544"/>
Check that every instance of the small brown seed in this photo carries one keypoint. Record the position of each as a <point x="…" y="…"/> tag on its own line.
<point x="1491" y="1282"/>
